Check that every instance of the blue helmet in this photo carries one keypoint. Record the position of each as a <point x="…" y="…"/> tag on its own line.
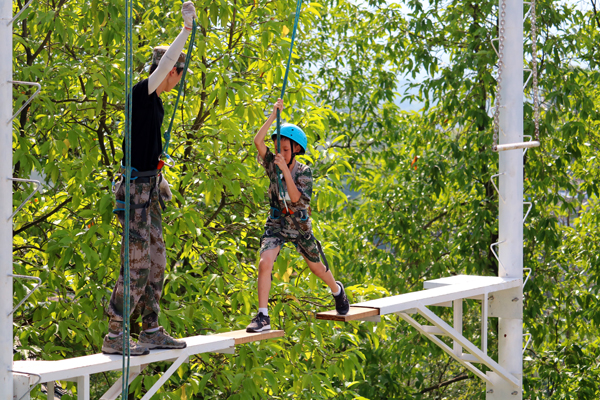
<point x="294" y="133"/>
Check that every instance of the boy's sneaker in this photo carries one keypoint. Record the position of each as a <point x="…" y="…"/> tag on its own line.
<point x="259" y="323"/>
<point x="342" y="306"/>
<point x="160" y="340"/>
<point x="114" y="345"/>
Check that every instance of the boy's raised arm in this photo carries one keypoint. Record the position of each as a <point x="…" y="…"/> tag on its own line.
<point x="259" y="139"/>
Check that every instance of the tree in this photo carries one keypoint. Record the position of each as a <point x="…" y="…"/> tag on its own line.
<point x="400" y="196"/>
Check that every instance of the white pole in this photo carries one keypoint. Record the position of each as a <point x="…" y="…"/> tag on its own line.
<point x="510" y="330"/>
<point x="6" y="287"/>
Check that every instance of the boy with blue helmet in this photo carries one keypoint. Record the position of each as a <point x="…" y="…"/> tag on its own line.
<point x="289" y="219"/>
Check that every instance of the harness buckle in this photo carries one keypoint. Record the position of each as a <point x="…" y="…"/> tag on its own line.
<point x="275" y="213"/>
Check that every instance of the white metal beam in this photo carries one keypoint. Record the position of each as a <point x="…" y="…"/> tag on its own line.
<point x="6" y="286"/>
<point x="470" y="347"/>
<point x="510" y="232"/>
<point x="116" y="389"/>
<point x="461" y="287"/>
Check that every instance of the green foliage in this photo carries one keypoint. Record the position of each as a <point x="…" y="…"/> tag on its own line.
<point x="400" y="196"/>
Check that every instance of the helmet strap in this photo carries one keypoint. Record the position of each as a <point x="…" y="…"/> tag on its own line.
<point x="291" y="159"/>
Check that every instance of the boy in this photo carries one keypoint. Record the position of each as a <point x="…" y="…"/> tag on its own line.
<point x="289" y="220"/>
<point x="147" y="249"/>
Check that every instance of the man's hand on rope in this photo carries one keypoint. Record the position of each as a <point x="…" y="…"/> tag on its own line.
<point x="188" y="11"/>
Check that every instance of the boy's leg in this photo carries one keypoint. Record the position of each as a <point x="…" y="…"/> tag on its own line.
<point x="309" y="249"/>
<point x="318" y="268"/>
<point x="269" y="250"/>
<point x="265" y="267"/>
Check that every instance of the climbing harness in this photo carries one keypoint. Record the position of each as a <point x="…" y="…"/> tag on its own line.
<point x="303" y="216"/>
<point x="153" y="176"/>
<point x="534" y="73"/>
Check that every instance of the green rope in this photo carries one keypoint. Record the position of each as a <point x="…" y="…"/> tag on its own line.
<point x="188" y="56"/>
<point x="127" y="163"/>
<point x="285" y="78"/>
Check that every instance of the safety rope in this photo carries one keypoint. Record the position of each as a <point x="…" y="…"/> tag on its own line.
<point x="127" y="166"/>
<point x="188" y="56"/>
<point x="285" y="78"/>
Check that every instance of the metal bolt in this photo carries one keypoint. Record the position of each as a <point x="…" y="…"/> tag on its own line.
<point x="515" y="393"/>
<point x="515" y="299"/>
<point x="491" y="298"/>
<point x="490" y="391"/>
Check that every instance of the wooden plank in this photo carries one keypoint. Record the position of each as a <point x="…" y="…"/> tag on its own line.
<point x="242" y="336"/>
<point x="355" y="313"/>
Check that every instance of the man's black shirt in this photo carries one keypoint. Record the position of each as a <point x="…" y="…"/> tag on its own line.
<point x="146" y="120"/>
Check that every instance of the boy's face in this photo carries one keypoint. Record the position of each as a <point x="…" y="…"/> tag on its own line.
<point x="286" y="148"/>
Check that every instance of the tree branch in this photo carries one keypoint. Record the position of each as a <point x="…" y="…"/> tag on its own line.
<point x="445" y="383"/>
<point x="42" y="219"/>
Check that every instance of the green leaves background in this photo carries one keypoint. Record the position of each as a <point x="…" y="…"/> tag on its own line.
<point x="400" y="196"/>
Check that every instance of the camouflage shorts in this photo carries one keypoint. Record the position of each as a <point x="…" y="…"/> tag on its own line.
<point x="274" y="238"/>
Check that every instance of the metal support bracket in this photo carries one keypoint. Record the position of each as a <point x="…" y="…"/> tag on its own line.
<point x="494" y="252"/>
<point x="39" y="89"/>
<point x="474" y="355"/>
<point x="517" y="145"/>
<point x="374" y="318"/>
<point x="528" y="275"/>
<point x="32" y="386"/>
<point x="496" y="187"/>
<point x="20" y="12"/>
<point x="494" y="47"/>
<point x="528" y="210"/>
<point x="528" y="340"/>
<point x="37" y="189"/>
<point x="39" y="280"/>
<point x="183" y="358"/>
<point x="506" y="304"/>
<point x="116" y="389"/>
<point x="528" y="78"/>
<point x="528" y="11"/>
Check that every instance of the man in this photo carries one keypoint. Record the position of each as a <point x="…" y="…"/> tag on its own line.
<point x="147" y="253"/>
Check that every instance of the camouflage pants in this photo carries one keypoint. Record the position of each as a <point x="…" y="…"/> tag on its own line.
<point x="277" y="234"/>
<point x="147" y="260"/>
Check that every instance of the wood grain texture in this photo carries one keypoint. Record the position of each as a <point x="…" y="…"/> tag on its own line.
<point x="242" y="336"/>
<point x="355" y="313"/>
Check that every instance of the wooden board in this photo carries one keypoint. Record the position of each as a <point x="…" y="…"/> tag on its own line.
<point x="242" y="336"/>
<point x="355" y="313"/>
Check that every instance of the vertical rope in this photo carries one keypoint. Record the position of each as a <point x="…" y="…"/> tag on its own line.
<point x="285" y="78"/>
<point x="126" y="269"/>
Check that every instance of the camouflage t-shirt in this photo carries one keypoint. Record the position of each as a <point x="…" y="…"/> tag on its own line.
<point x="302" y="176"/>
